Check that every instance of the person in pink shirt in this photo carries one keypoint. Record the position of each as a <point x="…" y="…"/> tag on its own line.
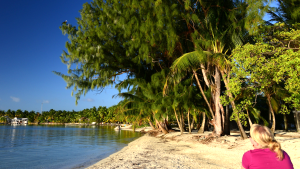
<point x="267" y="153"/>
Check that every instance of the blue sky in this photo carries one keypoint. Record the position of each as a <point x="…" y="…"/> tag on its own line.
<point x="30" y="46"/>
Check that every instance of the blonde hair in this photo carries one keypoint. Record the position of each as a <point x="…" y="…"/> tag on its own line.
<point x="264" y="137"/>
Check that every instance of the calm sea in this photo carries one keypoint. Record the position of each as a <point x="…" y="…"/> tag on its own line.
<point x="59" y="147"/>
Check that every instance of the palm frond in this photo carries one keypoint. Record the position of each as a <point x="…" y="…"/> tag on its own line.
<point x="188" y="61"/>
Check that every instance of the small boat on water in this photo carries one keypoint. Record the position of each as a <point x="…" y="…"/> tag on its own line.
<point x="118" y="128"/>
<point x="23" y="121"/>
<point x="122" y="127"/>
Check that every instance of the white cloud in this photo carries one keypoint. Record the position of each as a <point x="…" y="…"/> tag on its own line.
<point x="90" y="100"/>
<point x="46" y="101"/>
<point x="15" y="99"/>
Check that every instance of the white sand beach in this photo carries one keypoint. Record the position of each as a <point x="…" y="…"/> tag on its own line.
<point x="190" y="151"/>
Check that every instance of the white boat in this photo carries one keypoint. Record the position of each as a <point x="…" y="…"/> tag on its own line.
<point x="16" y="120"/>
<point x="120" y="127"/>
<point x="24" y="121"/>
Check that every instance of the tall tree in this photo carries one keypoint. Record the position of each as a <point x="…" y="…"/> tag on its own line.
<point x="140" y="38"/>
<point x="267" y="64"/>
<point x="120" y="37"/>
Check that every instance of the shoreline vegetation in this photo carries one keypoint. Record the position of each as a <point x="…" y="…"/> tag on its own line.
<point x="213" y="62"/>
<point x="176" y="150"/>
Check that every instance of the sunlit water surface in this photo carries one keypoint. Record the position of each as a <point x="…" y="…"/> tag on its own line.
<point x="59" y="147"/>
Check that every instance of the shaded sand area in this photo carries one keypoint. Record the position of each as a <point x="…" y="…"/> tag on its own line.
<point x="190" y="151"/>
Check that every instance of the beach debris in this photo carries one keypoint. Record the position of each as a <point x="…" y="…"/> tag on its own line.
<point x="207" y="139"/>
<point x="143" y="131"/>
<point x="154" y="133"/>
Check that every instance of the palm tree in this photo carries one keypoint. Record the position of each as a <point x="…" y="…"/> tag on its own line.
<point x="288" y="12"/>
<point x="2" y="113"/>
<point x="3" y="119"/>
<point x="174" y="100"/>
<point x="217" y="26"/>
<point x="10" y="113"/>
<point x="19" y="113"/>
<point x="101" y="113"/>
<point x="31" y="116"/>
<point x="144" y="100"/>
<point x="37" y="117"/>
<point x="25" y="113"/>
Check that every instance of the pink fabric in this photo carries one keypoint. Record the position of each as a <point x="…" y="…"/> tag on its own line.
<point x="265" y="159"/>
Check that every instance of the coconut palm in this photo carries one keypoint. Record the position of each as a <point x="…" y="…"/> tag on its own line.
<point x="216" y="32"/>
<point x="31" y="116"/>
<point x="144" y="100"/>
<point x="10" y="113"/>
<point x="3" y="119"/>
<point x="25" y="113"/>
<point x="288" y="12"/>
<point x="2" y="113"/>
<point x="19" y="113"/>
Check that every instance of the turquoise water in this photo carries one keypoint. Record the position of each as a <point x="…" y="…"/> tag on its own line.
<point x="59" y="147"/>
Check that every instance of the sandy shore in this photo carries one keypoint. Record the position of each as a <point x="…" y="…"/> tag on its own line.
<point x="190" y="151"/>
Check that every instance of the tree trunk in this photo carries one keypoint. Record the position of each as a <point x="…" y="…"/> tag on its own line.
<point x="223" y="117"/>
<point x="201" y="130"/>
<point x="162" y="129"/>
<point x="270" y="118"/>
<point x="243" y="134"/>
<point x="151" y="124"/>
<point x="200" y="87"/>
<point x="297" y="119"/>
<point x="189" y="124"/>
<point x="182" y="122"/>
<point x="192" y="125"/>
<point x="273" y="114"/>
<point x="199" y="124"/>
<point x="204" y="72"/>
<point x="238" y="121"/>
<point x="285" y="122"/>
<point x="179" y="122"/>
<point x="227" y="120"/>
<point x="218" y="84"/>
<point x="250" y="122"/>
<point x="156" y="125"/>
<point x="218" y="119"/>
<point x="167" y="123"/>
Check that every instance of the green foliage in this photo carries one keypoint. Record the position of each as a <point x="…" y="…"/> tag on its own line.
<point x="138" y="38"/>
<point x="188" y="61"/>
<point x="100" y="114"/>
<point x="284" y="110"/>
<point x="145" y="40"/>
<point x="117" y="37"/>
<point x="287" y="12"/>
<point x="2" y="119"/>
<point x="269" y="67"/>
